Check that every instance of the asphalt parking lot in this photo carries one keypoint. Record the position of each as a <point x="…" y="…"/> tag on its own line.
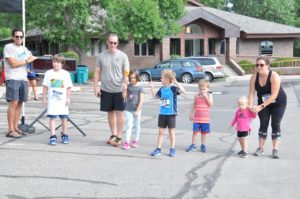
<point x="89" y="168"/>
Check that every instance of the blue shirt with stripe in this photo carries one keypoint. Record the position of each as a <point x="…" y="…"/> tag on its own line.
<point x="168" y="97"/>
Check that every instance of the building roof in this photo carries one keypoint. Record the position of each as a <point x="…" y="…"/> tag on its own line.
<point x="251" y="27"/>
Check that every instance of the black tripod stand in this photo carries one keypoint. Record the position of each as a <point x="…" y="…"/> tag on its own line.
<point x="42" y="114"/>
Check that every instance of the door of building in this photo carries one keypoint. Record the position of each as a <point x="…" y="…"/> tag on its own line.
<point x="194" y="47"/>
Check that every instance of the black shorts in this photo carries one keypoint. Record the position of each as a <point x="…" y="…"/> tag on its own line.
<point x="111" y="101"/>
<point x="31" y="78"/>
<point x="165" y="121"/>
<point x="241" y="134"/>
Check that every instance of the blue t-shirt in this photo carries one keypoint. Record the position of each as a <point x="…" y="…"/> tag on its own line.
<point x="30" y="71"/>
<point x="168" y="97"/>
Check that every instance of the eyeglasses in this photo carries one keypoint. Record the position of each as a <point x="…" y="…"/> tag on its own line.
<point x="19" y="37"/>
<point x="259" y="65"/>
<point x="113" y="43"/>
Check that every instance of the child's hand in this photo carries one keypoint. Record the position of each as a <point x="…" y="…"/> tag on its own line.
<point x="175" y="80"/>
<point x="151" y="85"/>
<point x="68" y="101"/>
<point x="136" y="113"/>
<point x="44" y="102"/>
<point x="191" y="117"/>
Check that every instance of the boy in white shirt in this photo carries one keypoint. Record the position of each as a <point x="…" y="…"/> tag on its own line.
<point x="57" y="84"/>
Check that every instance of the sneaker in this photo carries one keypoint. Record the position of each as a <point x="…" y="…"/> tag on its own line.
<point x="64" y="139"/>
<point x="239" y="153"/>
<point x="191" y="148"/>
<point x="203" y="148"/>
<point x="243" y="154"/>
<point x="134" y="144"/>
<point x="275" y="154"/>
<point x="259" y="152"/>
<point x="172" y="152"/>
<point x="156" y="152"/>
<point x="126" y="146"/>
<point x="52" y="140"/>
<point x="111" y="139"/>
<point x="116" y="142"/>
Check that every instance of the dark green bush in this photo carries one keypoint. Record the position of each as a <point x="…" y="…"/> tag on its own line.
<point x="71" y="54"/>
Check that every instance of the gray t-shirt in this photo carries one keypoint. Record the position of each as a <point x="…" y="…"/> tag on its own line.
<point x="20" y="53"/>
<point x="112" y="67"/>
<point x="133" y="97"/>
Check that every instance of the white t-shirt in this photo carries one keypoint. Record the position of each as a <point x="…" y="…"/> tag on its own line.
<point x="57" y="83"/>
<point x="20" y="53"/>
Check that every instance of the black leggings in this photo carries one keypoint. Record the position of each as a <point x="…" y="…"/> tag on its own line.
<point x="275" y="112"/>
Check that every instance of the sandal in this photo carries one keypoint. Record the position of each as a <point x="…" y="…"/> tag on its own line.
<point x="19" y="131"/>
<point x="13" y="134"/>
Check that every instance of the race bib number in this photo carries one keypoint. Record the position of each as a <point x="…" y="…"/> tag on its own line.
<point x="266" y="97"/>
<point x="165" y="103"/>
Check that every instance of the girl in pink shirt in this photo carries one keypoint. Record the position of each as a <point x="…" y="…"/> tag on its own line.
<point x="242" y="119"/>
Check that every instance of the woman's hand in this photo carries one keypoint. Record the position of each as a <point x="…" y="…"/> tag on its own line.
<point x="256" y="108"/>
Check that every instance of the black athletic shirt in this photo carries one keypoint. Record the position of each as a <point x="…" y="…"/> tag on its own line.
<point x="264" y="91"/>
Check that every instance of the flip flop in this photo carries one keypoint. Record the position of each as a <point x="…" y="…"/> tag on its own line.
<point x="13" y="134"/>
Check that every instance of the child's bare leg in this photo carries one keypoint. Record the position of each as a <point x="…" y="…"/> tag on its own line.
<point x="52" y="126"/>
<point x="160" y="137"/>
<point x="194" y="137"/>
<point x="203" y="138"/>
<point x="64" y="123"/>
<point x="172" y="137"/>
<point x="243" y="143"/>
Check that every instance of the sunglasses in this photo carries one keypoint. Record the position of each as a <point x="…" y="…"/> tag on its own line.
<point x="19" y="37"/>
<point x="113" y="43"/>
<point x="259" y="65"/>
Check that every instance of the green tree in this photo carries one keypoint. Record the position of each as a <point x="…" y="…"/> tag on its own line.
<point x="272" y="10"/>
<point x="220" y="4"/>
<point x="67" y="22"/>
<point x="143" y="19"/>
<point x="297" y="24"/>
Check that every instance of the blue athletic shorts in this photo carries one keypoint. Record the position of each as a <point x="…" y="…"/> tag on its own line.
<point x="16" y="90"/>
<point x="201" y="127"/>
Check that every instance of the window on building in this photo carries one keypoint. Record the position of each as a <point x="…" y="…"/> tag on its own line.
<point x="175" y="47"/>
<point x="212" y="46"/>
<point x="222" y="46"/>
<point x="266" y="48"/>
<point x="144" y="49"/>
<point x="194" y="29"/>
<point x="237" y="46"/>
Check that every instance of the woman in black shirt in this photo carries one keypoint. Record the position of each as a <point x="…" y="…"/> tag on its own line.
<point x="271" y="103"/>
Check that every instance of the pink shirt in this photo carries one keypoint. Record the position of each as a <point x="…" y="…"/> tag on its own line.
<point x="242" y="119"/>
<point x="202" y="110"/>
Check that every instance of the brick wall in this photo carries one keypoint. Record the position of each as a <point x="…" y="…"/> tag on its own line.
<point x="281" y="47"/>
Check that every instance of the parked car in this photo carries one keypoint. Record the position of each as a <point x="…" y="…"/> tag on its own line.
<point x="186" y="71"/>
<point x="211" y="65"/>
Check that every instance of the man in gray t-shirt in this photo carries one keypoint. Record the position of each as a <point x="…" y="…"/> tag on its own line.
<point x="16" y="57"/>
<point x="112" y="69"/>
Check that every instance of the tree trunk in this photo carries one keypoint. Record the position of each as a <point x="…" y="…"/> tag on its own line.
<point x="82" y="56"/>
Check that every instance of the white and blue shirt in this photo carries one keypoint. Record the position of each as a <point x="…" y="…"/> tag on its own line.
<point x="168" y="97"/>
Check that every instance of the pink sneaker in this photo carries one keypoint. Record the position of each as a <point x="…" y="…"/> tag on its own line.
<point x="134" y="144"/>
<point x="126" y="146"/>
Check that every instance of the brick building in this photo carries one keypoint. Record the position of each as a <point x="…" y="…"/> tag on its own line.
<point x="205" y="32"/>
<point x="212" y="32"/>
